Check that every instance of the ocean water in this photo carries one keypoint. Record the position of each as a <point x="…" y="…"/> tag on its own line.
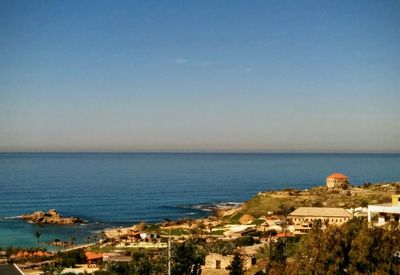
<point x="121" y="189"/>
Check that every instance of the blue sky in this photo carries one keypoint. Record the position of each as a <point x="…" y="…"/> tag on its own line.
<point x="200" y="76"/>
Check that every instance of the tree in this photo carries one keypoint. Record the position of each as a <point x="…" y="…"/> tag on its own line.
<point x="244" y="241"/>
<point x="103" y="235"/>
<point x="141" y="264"/>
<point x="310" y="248"/>
<point x="236" y="267"/>
<point x="71" y="258"/>
<point x="187" y="258"/>
<point x="73" y="240"/>
<point x="52" y="268"/>
<point x="277" y="257"/>
<point x="374" y="250"/>
<point x="37" y="236"/>
<point x="353" y="248"/>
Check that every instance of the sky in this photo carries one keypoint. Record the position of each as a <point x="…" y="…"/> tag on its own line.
<point x="251" y="76"/>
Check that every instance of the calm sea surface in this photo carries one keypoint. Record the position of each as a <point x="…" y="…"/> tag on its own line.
<point x="121" y="189"/>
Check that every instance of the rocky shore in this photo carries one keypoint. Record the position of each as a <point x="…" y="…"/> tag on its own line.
<point x="50" y="217"/>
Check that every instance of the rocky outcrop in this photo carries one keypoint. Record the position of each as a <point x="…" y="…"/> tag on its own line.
<point x="50" y="217"/>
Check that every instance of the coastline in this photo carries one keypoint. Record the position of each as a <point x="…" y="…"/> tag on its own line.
<point x="225" y="212"/>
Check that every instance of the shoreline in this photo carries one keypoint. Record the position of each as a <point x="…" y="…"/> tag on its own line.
<point x="226" y="211"/>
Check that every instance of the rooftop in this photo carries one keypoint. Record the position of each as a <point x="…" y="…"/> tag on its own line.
<point x="93" y="256"/>
<point x="337" y="176"/>
<point x="320" y="212"/>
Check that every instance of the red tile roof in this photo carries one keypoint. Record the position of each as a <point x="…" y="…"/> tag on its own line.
<point x="93" y="256"/>
<point x="337" y="176"/>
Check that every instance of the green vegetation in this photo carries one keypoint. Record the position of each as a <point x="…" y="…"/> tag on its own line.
<point x="175" y="232"/>
<point x="51" y="268"/>
<point x="236" y="265"/>
<point x="187" y="258"/>
<point x="71" y="258"/>
<point x="234" y="219"/>
<point x="259" y="205"/>
<point x="258" y="221"/>
<point x="353" y="248"/>
<point x="221" y="247"/>
<point x="244" y="241"/>
<point x="37" y="236"/>
<point x="218" y="232"/>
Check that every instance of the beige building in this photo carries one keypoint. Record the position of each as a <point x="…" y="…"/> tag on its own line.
<point x="215" y="261"/>
<point x="337" y="180"/>
<point x="303" y="217"/>
<point x="385" y="212"/>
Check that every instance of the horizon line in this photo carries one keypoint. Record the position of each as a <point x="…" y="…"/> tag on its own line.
<point x="199" y="152"/>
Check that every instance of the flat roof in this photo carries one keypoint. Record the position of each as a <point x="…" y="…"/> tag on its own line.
<point x="384" y="208"/>
<point x="320" y="212"/>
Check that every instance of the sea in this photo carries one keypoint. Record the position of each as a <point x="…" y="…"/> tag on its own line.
<point x="121" y="189"/>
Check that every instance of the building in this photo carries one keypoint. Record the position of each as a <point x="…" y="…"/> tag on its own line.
<point x="218" y="261"/>
<point x="303" y="217"/>
<point x="385" y="212"/>
<point x="215" y="261"/>
<point x="93" y="259"/>
<point x="337" y="180"/>
<point x="117" y="256"/>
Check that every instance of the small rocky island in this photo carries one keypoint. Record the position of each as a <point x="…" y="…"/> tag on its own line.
<point x="50" y="217"/>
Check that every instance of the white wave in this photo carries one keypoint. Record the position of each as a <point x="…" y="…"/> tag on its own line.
<point x="12" y="217"/>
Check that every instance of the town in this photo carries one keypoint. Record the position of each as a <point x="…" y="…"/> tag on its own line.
<point x="276" y="232"/>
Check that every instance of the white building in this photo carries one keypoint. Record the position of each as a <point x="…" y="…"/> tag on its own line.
<point x="386" y="211"/>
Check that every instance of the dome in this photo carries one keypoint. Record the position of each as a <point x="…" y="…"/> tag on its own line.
<point x="338" y="176"/>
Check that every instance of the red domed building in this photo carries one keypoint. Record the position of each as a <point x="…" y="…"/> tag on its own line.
<point x="337" y="180"/>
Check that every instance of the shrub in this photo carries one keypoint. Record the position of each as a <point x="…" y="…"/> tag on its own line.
<point x="244" y="241"/>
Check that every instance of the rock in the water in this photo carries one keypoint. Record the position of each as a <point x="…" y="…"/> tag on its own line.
<point x="50" y="217"/>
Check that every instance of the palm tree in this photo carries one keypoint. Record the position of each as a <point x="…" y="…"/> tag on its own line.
<point x="103" y="235"/>
<point x="119" y="233"/>
<point x="73" y="240"/>
<point x="37" y="236"/>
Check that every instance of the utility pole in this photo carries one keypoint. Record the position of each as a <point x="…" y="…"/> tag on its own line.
<point x="169" y="252"/>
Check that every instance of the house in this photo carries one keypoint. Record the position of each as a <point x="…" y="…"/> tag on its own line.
<point x="385" y="212"/>
<point x="303" y="217"/>
<point x="337" y="180"/>
<point x="93" y="259"/>
<point x="218" y="261"/>
<point x="215" y="261"/>
<point x="117" y="256"/>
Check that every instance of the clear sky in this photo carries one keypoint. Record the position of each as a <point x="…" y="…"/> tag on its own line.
<point x="200" y="76"/>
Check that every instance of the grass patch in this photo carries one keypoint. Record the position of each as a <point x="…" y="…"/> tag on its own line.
<point x="258" y="221"/>
<point x="175" y="232"/>
<point x="218" y="232"/>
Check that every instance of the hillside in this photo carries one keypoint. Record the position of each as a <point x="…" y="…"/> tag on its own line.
<point x="284" y="201"/>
